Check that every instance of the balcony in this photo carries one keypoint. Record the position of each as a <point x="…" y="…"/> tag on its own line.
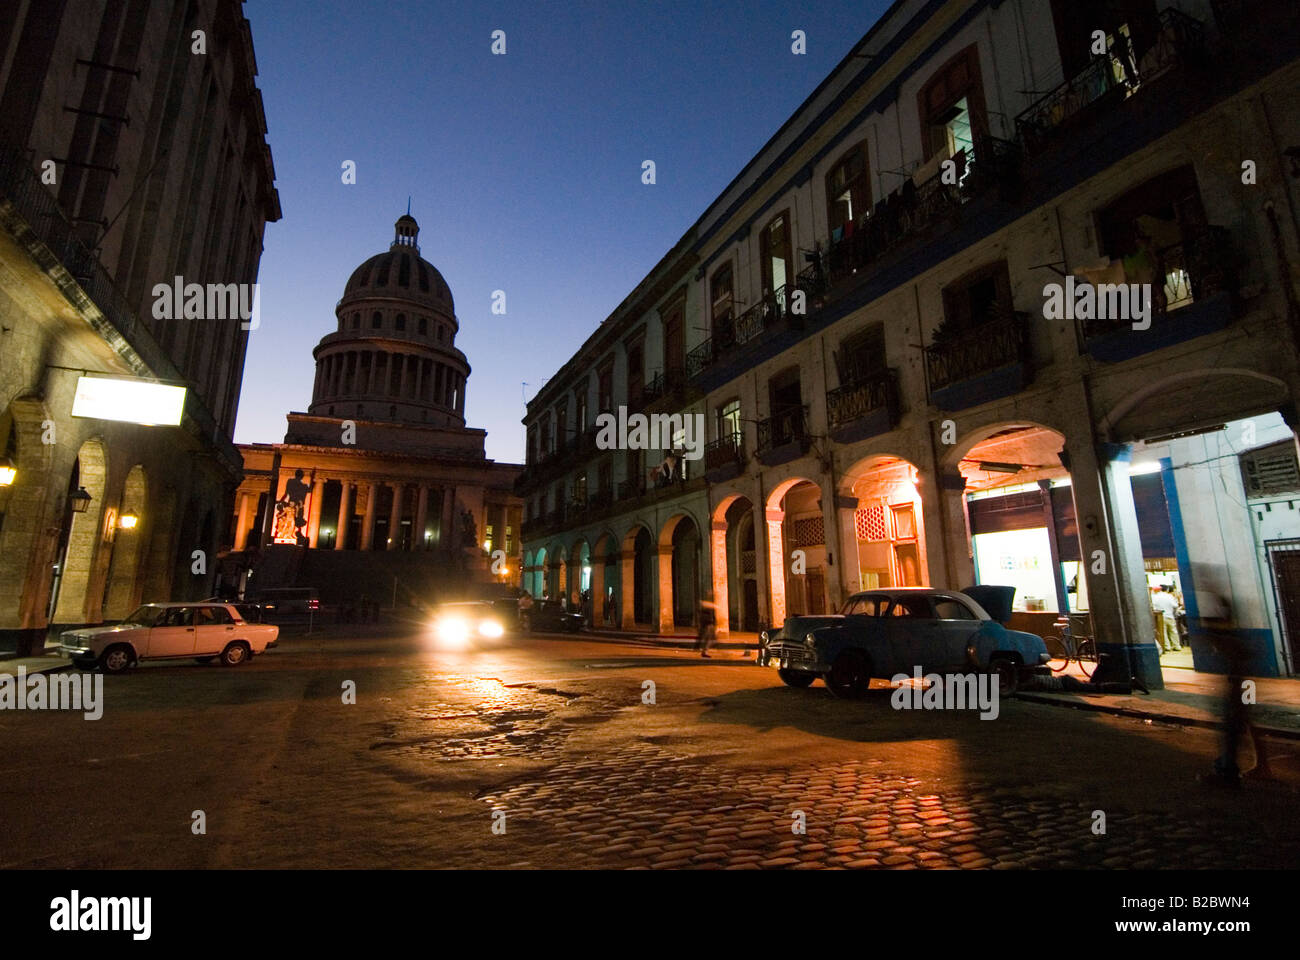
<point x="867" y="407"/>
<point x="724" y="458"/>
<point x="631" y="489"/>
<point x="783" y="437"/>
<point x="1108" y="81"/>
<point x="978" y="365"/>
<point x="1196" y="298"/>
<point x="773" y="311"/>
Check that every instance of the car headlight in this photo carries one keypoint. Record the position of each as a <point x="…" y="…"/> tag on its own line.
<point x="809" y="640"/>
<point x="490" y="628"/>
<point x="452" y="630"/>
<point x="763" y="638"/>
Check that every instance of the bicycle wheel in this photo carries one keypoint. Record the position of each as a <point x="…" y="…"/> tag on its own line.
<point x="1058" y="651"/>
<point x="1087" y="656"/>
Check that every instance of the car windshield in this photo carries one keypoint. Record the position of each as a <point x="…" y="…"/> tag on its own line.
<point x="146" y="616"/>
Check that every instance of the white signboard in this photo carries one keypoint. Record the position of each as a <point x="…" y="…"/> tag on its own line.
<point x="131" y="401"/>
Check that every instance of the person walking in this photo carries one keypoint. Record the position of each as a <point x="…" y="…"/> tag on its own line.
<point x="708" y="627"/>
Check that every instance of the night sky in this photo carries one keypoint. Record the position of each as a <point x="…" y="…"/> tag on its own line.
<point x="524" y="170"/>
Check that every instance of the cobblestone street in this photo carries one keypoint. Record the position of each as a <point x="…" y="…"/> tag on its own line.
<point x="542" y="753"/>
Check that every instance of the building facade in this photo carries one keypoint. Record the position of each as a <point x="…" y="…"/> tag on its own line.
<point x="133" y="152"/>
<point x="382" y="461"/>
<point x="889" y="325"/>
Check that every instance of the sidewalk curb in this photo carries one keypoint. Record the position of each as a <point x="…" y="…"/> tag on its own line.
<point x="1283" y="733"/>
<point x="59" y="664"/>
<point x="655" y="640"/>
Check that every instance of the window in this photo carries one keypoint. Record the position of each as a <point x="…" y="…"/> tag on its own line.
<point x="865" y="606"/>
<point x="1270" y="471"/>
<point x="561" y="426"/>
<point x="422" y="325"/>
<point x="400" y="322"/>
<point x="214" y="616"/>
<point x="356" y="321"/>
<point x="635" y="374"/>
<point x="580" y="488"/>
<point x="1152" y="232"/>
<point x="376" y="320"/>
<point x="441" y="332"/>
<point x="547" y="447"/>
<point x="580" y="410"/>
<point x="774" y="252"/>
<point x="605" y="386"/>
<point x="946" y="609"/>
<point x="982" y="296"/>
<point x="914" y="608"/>
<point x="848" y="193"/>
<point x="604" y="477"/>
<point x="729" y="420"/>
<point x="1132" y="24"/>
<point x="722" y="291"/>
<point x="861" y="355"/>
<point x="951" y="108"/>
<point x="674" y="341"/>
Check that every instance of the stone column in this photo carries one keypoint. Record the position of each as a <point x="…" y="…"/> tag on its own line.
<point x="776" y="564"/>
<point x="1111" y="554"/>
<point x="597" y="590"/>
<point x="313" y="514"/>
<point x="421" y="517"/>
<point x="664" y="559"/>
<point x="401" y="383"/>
<point x="395" y="517"/>
<point x="850" y="571"/>
<point x="241" y="523"/>
<point x="718" y="564"/>
<point x="368" y="524"/>
<point x="628" y="580"/>
<point x="345" y="516"/>
<point x="419" y="378"/>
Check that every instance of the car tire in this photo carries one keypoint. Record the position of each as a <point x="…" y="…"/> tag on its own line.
<point x="849" y="677"/>
<point x="796" y="678"/>
<point x="235" y="654"/>
<point x="204" y="659"/>
<point x="117" y="658"/>
<point x="1007" y="673"/>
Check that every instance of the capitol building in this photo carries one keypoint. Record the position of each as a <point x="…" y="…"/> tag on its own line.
<point x="381" y="461"/>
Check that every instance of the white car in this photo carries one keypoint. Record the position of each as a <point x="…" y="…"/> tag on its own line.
<point x="170" y="631"/>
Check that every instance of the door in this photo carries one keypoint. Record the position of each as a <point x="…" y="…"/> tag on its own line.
<point x="1285" y="560"/>
<point x="173" y="636"/>
<point x="912" y="636"/>
<point x="955" y="625"/>
<point x="215" y="627"/>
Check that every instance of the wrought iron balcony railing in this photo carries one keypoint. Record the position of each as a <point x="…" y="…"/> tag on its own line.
<point x="724" y="451"/>
<point x="787" y="426"/>
<point x="1195" y="269"/>
<point x="990" y="345"/>
<point x="863" y="396"/>
<point x="1111" y="77"/>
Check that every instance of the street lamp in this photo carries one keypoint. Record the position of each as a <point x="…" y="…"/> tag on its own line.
<point x="80" y="500"/>
<point x="7" y="472"/>
<point x="128" y="521"/>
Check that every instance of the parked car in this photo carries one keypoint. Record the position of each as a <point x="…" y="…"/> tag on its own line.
<point x="458" y="625"/>
<point x="550" y="615"/>
<point x="882" y="633"/>
<point x="170" y="631"/>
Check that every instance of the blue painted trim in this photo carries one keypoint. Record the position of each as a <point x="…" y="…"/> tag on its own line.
<point x="1181" y="554"/>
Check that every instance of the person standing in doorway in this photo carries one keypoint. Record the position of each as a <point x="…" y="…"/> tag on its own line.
<point x="1163" y="603"/>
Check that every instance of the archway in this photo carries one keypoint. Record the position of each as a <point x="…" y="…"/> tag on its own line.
<point x="605" y="581"/>
<point x="537" y="576"/>
<point x="635" y="576"/>
<point x="883" y="534"/>
<point x="26" y="550"/>
<point x="734" y="564"/>
<point x="123" y="588"/>
<point x="71" y="599"/>
<point x="797" y="559"/>
<point x="679" y="572"/>
<point x="579" y="575"/>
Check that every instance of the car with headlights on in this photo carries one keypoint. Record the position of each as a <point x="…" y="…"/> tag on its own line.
<point x="170" y="631"/>
<point x="885" y="632"/>
<point x="466" y="624"/>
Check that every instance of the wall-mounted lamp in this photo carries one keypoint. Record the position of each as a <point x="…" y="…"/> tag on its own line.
<point x="80" y="500"/>
<point x="128" y="521"/>
<point x="7" y="472"/>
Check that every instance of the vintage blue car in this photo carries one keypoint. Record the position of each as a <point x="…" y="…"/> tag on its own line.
<point x="882" y="633"/>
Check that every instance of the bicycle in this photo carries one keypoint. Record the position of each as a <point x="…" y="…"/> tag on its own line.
<point x="1065" y="646"/>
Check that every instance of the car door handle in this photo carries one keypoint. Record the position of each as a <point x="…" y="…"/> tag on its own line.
<point x="189" y="629"/>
